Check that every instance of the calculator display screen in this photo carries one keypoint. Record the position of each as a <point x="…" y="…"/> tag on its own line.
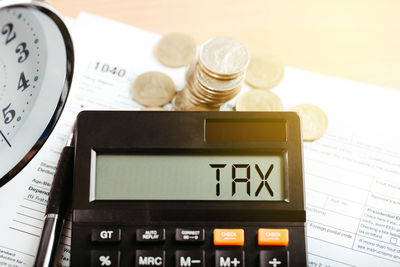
<point x="188" y="177"/>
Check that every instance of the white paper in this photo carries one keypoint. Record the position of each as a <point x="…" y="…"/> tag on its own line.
<point x="352" y="174"/>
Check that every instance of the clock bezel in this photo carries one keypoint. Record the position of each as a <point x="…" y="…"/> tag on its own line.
<point x="49" y="11"/>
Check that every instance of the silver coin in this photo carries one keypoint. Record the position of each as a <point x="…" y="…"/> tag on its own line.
<point x="224" y="56"/>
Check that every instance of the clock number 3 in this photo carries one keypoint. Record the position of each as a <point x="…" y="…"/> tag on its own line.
<point x="23" y="52"/>
<point x="8" y="114"/>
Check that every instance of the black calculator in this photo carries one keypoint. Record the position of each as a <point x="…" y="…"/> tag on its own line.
<point x="155" y="188"/>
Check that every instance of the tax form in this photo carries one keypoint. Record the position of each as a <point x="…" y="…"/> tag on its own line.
<point x="352" y="174"/>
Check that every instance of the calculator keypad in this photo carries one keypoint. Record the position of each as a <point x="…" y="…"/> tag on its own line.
<point x="190" y="246"/>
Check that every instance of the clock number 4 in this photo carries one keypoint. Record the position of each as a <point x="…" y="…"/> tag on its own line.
<point x="8" y="30"/>
<point x="8" y="114"/>
<point x="23" y="82"/>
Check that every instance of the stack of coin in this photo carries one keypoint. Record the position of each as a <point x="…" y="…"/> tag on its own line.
<point x="218" y="74"/>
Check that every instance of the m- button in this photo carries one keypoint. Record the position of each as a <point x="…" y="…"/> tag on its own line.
<point x="228" y="237"/>
<point x="107" y="235"/>
<point x="190" y="258"/>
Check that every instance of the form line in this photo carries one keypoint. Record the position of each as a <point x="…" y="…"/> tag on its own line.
<point x="19" y="213"/>
<point x="19" y="230"/>
<point x="40" y="228"/>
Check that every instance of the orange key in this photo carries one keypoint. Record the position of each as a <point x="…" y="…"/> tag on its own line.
<point x="273" y="237"/>
<point x="228" y="237"/>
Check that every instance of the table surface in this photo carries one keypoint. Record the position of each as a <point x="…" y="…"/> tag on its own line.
<point x="352" y="39"/>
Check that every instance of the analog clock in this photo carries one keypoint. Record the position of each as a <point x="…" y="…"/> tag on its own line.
<point x="36" y="66"/>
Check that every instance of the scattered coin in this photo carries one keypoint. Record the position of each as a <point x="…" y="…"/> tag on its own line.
<point x="153" y="109"/>
<point x="176" y="50"/>
<point x="153" y="89"/>
<point x="264" y="72"/>
<point x="314" y="121"/>
<point x="259" y="100"/>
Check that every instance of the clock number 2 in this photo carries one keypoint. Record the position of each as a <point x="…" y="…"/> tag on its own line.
<point x="8" y="29"/>
<point x="8" y="114"/>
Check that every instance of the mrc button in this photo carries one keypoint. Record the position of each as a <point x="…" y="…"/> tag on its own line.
<point x="273" y="237"/>
<point x="190" y="235"/>
<point x="150" y="235"/>
<point x="150" y="258"/>
<point x="228" y="237"/>
<point x="107" y="235"/>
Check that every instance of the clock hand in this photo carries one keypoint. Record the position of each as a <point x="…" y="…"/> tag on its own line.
<point x="5" y="138"/>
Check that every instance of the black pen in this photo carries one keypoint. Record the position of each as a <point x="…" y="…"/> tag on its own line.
<point x="59" y="198"/>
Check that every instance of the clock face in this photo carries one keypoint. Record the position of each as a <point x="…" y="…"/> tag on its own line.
<point x="33" y="74"/>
